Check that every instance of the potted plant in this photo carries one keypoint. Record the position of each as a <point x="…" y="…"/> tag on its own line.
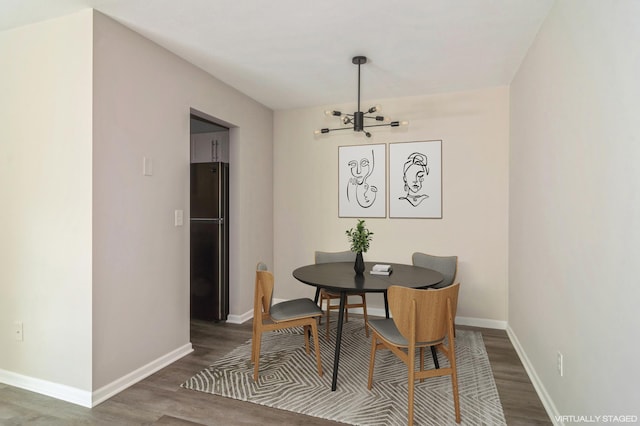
<point x="359" y="238"/>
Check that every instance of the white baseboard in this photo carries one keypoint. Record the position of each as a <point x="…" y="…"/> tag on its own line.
<point x="135" y="376"/>
<point x="482" y="322"/>
<point x="44" y="387"/>
<point x="547" y="402"/>
<point x="86" y="398"/>
<point x="240" y="319"/>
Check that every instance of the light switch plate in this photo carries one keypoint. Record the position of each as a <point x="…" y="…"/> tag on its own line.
<point x="178" y="217"/>
<point x="147" y="166"/>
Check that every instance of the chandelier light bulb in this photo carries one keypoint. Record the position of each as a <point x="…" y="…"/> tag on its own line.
<point x="398" y="123"/>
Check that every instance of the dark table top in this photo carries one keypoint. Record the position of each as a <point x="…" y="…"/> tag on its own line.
<point x="340" y="276"/>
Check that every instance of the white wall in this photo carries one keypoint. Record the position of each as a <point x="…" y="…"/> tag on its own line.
<point x="143" y="96"/>
<point x="45" y="188"/>
<point x="474" y="129"/>
<point x="575" y="207"/>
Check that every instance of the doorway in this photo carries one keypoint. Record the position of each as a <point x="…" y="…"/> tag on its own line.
<point x="209" y="213"/>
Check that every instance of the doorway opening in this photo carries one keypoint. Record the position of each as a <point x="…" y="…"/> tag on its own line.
<point x="209" y="214"/>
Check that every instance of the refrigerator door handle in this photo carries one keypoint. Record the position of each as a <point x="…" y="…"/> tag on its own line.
<point x="208" y="219"/>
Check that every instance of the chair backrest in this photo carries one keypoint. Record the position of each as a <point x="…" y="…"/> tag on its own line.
<point x="263" y="294"/>
<point x="427" y="310"/>
<point x="446" y="265"/>
<point x="338" y="256"/>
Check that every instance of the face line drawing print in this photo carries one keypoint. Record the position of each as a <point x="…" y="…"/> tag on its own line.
<point x="414" y="171"/>
<point x="357" y="186"/>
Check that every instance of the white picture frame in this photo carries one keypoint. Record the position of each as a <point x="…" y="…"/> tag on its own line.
<point x="415" y="180"/>
<point x="362" y="181"/>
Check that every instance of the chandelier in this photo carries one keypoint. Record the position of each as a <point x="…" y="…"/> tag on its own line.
<point x="356" y="121"/>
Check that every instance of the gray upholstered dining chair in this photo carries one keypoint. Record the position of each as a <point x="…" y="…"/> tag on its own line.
<point x="340" y="256"/>
<point x="448" y="267"/>
<point x="291" y="313"/>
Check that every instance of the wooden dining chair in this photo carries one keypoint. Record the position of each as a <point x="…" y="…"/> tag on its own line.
<point x="328" y="296"/>
<point x="421" y="318"/>
<point x="448" y="267"/>
<point x="291" y="313"/>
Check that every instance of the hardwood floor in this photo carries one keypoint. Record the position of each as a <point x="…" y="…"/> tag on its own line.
<point x="520" y="402"/>
<point x="158" y="400"/>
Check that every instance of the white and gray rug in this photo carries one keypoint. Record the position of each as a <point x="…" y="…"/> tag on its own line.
<point x="289" y="381"/>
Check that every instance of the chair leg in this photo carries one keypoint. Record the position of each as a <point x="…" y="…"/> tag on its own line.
<point x="255" y="344"/>
<point x="434" y="355"/>
<point x="253" y="348"/>
<point x="328" y="318"/>
<point x="421" y="361"/>
<point x="254" y="333"/>
<point x="372" y="360"/>
<point x="456" y="398"/>
<point x="316" y="345"/>
<point x="454" y="381"/>
<point x="346" y="310"/>
<point x="256" y="359"/>
<point x="366" y="319"/>
<point x="411" y="384"/>
<point x="306" y="338"/>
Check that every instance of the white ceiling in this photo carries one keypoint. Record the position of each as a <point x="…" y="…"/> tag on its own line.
<point x="297" y="53"/>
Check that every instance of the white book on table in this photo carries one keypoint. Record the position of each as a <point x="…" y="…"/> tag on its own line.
<point x="379" y="269"/>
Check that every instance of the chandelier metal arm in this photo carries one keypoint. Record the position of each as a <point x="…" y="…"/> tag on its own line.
<point x="391" y="124"/>
<point x="340" y="114"/>
<point x="327" y="130"/>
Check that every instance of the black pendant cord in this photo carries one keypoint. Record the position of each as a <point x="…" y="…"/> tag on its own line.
<point x="358" y="87"/>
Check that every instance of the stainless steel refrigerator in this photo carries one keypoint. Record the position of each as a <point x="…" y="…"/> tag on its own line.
<point x="209" y="241"/>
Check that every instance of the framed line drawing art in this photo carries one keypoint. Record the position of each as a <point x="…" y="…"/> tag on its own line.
<point x="415" y="180"/>
<point x="361" y="181"/>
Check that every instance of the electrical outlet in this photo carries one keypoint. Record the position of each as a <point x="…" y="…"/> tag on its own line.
<point x="18" y="331"/>
<point x="560" y="364"/>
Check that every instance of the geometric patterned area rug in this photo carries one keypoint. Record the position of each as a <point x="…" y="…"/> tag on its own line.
<point x="289" y="381"/>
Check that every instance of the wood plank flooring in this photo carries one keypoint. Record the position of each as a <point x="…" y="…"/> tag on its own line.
<point x="158" y="400"/>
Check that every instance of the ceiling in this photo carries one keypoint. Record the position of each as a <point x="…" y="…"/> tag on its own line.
<point x="297" y="53"/>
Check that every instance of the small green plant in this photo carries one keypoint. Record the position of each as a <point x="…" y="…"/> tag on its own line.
<point x="360" y="237"/>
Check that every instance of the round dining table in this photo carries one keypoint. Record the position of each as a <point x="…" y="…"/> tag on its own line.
<point x="340" y="277"/>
